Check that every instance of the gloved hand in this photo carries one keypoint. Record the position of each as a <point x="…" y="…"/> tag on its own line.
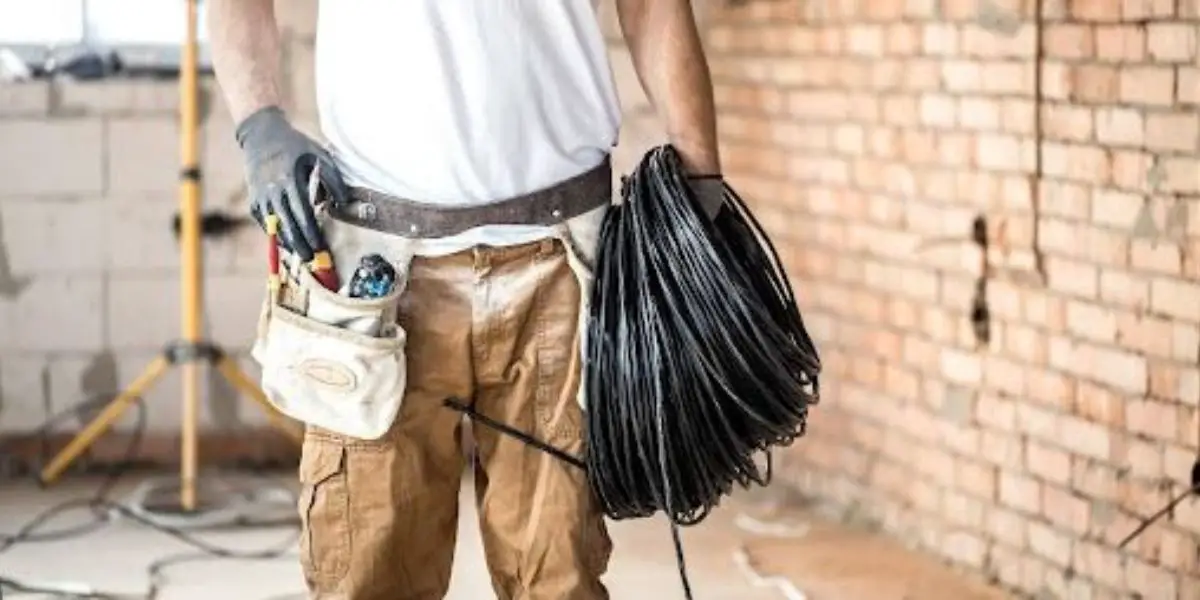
<point x="710" y="193"/>
<point x="279" y="161"/>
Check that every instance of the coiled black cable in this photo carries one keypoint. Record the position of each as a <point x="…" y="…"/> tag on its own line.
<point x="697" y="357"/>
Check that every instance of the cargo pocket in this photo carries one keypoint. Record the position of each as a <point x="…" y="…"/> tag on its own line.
<point x="324" y="506"/>
<point x="332" y="361"/>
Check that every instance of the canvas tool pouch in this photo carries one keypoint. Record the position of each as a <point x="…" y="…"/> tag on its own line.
<point x="330" y="360"/>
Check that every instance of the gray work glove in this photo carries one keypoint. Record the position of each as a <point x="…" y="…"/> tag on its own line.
<point x="279" y="161"/>
<point x="710" y="193"/>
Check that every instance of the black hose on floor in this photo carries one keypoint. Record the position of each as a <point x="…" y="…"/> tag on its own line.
<point x="697" y="355"/>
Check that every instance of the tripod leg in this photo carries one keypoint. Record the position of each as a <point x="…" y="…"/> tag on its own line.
<point x="105" y="419"/>
<point x="234" y="374"/>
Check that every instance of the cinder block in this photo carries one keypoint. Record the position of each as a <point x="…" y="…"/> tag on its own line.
<point x="49" y="235"/>
<point x="29" y="99"/>
<point x="249" y="250"/>
<point x="142" y="311"/>
<point x="58" y="314"/>
<point x="234" y="302"/>
<point x="24" y="392"/>
<point x="224" y="174"/>
<point x="163" y="400"/>
<point x="143" y="155"/>
<point x="49" y="157"/>
<point x="139" y="234"/>
<point x="116" y="97"/>
<point x="67" y="375"/>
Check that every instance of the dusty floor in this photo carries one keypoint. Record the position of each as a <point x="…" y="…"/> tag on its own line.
<point x="724" y="554"/>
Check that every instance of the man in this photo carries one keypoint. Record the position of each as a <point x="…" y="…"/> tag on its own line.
<point x="469" y="133"/>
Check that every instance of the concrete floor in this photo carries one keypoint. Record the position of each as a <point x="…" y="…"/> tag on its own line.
<point x="115" y="557"/>
<point x="802" y="556"/>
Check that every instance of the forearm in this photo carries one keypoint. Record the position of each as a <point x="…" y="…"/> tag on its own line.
<point x="669" y="59"/>
<point x="244" y="42"/>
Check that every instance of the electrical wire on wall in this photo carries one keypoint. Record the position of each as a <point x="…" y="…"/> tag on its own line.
<point x="103" y="511"/>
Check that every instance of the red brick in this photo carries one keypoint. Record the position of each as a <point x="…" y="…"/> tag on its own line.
<point x="1172" y="42"/>
<point x="1100" y="564"/>
<point x="1006" y="526"/>
<point x="1095" y="10"/>
<point x="1151" y="418"/>
<point x="1129" y="168"/>
<point x="1135" y="10"/>
<point x="1074" y="278"/>
<point x="1144" y="459"/>
<point x="1000" y="449"/>
<point x="1051" y="388"/>
<point x="940" y="39"/>
<point x="1120" y="126"/>
<point x="1098" y="404"/>
<point x="1047" y="462"/>
<point x="1050" y="544"/>
<point x="1174" y="131"/>
<point x="1120" y="43"/>
<point x="1149" y="581"/>
<point x="1127" y="290"/>
<point x="1037" y="421"/>
<point x="1145" y="334"/>
<point x="980" y="113"/>
<point x="1188" y="91"/>
<point x="1095" y="83"/>
<point x="1085" y="438"/>
<point x="1165" y="378"/>
<point x="1066" y="510"/>
<point x="1089" y="321"/>
<point x="1176" y="298"/>
<point x="1179" y="552"/>
<point x="1069" y="41"/>
<point x="938" y="110"/>
<point x="1068" y="123"/>
<point x="1020" y="492"/>
<point x="1151" y="86"/>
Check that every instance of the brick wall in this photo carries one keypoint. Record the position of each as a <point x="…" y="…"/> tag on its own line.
<point x="869" y="136"/>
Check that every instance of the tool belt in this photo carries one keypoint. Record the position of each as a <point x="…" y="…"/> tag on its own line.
<point x="408" y="218"/>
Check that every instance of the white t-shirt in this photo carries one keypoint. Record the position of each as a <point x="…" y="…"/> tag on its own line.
<point x="464" y="101"/>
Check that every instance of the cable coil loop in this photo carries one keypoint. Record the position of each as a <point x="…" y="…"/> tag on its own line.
<point x="697" y="356"/>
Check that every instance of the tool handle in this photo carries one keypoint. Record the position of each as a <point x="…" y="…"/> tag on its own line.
<point x="324" y="271"/>
<point x="272" y="225"/>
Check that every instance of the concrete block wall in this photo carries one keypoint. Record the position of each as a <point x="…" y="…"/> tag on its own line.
<point x="869" y="136"/>
<point x="89" y="287"/>
<point x="89" y="279"/>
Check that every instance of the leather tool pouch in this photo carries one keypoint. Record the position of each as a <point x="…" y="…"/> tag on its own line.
<point x="329" y="360"/>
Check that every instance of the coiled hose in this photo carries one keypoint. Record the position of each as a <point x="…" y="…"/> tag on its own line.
<point x="697" y="356"/>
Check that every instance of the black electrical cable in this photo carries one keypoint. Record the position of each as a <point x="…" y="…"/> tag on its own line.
<point x="697" y="356"/>
<point x="102" y="510"/>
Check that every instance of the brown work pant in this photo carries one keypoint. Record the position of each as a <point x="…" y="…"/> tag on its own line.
<point x="497" y="326"/>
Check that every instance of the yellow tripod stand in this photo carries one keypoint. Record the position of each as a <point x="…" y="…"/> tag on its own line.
<point x="192" y="350"/>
